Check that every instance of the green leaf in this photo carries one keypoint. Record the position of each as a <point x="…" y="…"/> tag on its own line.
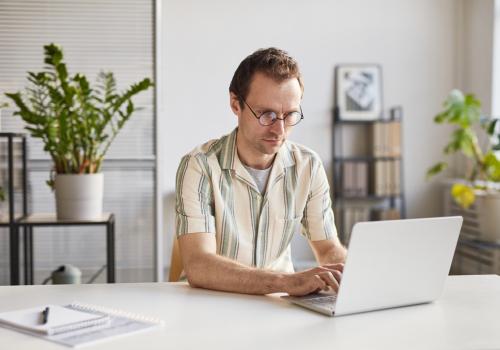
<point x="472" y="102"/>
<point x="491" y="128"/>
<point x="459" y="109"/>
<point x="17" y="99"/>
<point x="62" y="72"/>
<point x="467" y="143"/>
<point x="461" y="140"/>
<point x="492" y="167"/>
<point x="436" y="169"/>
<point x="53" y="54"/>
<point x="440" y="118"/>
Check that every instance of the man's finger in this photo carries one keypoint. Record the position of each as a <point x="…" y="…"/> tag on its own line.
<point x="336" y="273"/>
<point x="330" y="280"/>
<point x="320" y="283"/>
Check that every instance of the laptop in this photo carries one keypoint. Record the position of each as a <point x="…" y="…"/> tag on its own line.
<point x="391" y="264"/>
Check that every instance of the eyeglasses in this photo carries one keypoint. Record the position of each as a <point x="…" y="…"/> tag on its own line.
<point x="269" y="117"/>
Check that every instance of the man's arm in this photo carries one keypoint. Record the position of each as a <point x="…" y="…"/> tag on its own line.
<point x="319" y="222"/>
<point x="205" y="269"/>
<point x="329" y="251"/>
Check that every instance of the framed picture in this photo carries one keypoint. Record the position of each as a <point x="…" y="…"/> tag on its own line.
<point x="358" y="94"/>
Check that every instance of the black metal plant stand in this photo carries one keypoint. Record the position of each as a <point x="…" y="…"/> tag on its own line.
<point x="9" y="221"/>
<point x="29" y="222"/>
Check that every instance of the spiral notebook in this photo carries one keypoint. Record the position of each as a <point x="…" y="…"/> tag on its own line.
<point x="76" y="324"/>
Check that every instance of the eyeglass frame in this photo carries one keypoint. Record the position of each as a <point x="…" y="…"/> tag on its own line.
<point x="283" y="119"/>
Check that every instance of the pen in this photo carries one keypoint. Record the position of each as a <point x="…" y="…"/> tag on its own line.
<point x="45" y="315"/>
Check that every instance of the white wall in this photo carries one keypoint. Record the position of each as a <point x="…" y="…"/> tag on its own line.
<point x="495" y="103"/>
<point x="475" y="69"/>
<point x="204" y="41"/>
<point x="476" y="49"/>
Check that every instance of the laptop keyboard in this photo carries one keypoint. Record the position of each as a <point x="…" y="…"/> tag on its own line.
<point x="319" y="302"/>
<point x="323" y="300"/>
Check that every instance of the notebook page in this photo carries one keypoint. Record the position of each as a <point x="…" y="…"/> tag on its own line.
<point x="121" y="324"/>
<point x="60" y="319"/>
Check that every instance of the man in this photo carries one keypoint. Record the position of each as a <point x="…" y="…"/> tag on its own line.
<point x="239" y="199"/>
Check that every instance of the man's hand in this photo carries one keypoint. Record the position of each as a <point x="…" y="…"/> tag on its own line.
<point x="313" y="280"/>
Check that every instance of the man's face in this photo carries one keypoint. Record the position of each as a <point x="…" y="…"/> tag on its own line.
<point x="266" y="95"/>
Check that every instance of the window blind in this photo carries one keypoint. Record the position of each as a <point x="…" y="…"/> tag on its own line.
<point x="95" y="35"/>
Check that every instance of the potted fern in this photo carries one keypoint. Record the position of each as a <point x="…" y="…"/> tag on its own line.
<point x="482" y="181"/>
<point x="77" y="124"/>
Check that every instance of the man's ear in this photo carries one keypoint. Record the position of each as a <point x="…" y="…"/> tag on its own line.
<point x="234" y="102"/>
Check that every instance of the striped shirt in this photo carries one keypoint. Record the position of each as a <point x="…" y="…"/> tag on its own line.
<point x="216" y="194"/>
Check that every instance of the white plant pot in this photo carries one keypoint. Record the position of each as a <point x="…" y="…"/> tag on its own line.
<point x="488" y="214"/>
<point x="79" y="196"/>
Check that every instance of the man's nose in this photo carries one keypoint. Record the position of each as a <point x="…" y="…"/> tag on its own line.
<point x="278" y="127"/>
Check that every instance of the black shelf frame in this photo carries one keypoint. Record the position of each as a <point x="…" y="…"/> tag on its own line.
<point x="338" y="159"/>
<point x="12" y="216"/>
<point x="29" y="222"/>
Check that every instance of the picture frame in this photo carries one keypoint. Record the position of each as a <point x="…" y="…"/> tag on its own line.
<point x="358" y="92"/>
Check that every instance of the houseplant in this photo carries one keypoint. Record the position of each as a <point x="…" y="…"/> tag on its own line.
<point x="77" y="124"/>
<point x="482" y="179"/>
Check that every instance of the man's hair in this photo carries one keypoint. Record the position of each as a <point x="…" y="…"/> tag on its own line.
<point x="273" y="62"/>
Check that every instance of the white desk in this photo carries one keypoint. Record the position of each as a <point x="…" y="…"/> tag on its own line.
<point x="466" y="317"/>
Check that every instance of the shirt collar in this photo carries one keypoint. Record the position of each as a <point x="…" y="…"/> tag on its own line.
<point x="230" y="158"/>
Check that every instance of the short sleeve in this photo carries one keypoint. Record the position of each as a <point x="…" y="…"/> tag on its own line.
<point x="193" y="198"/>
<point x="318" y="221"/>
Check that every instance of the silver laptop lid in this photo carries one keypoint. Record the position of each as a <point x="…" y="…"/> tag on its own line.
<point x="396" y="263"/>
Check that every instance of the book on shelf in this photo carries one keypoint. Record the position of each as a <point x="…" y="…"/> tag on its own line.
<point x="387" y="177"/>
<point x="347" y="175"/>
<point x="379" y="178"/>
<point x="387" y="181"/>
<point x="361" y="179"/>
<point x="386" y="139"/>
<point x="354" y="179"/>
<point x="377" y="139"/>
<point x="386" y="214"/>
<point x="352" y="215"/>
<point x="395" y="139"/>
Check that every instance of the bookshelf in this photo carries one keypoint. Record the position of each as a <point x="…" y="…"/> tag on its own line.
<point x="367" y="171"/>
